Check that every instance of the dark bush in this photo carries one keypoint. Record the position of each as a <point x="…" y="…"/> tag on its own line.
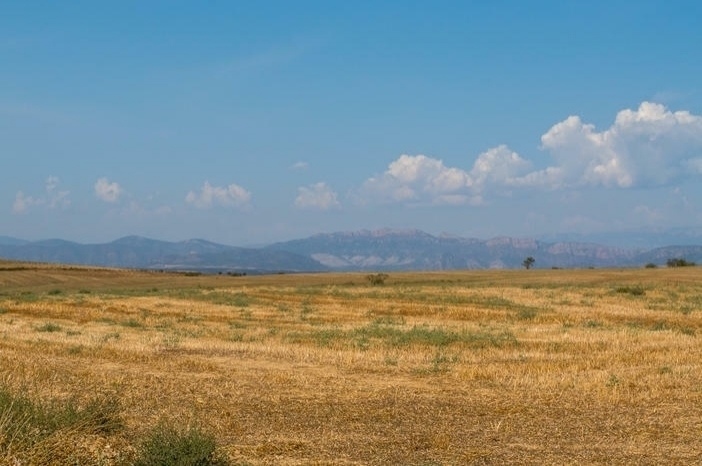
<point x="377" y="278"/>
<point x="168" y="446"/>
<point x="679" y="262"/>
<point x="25" y="423"/>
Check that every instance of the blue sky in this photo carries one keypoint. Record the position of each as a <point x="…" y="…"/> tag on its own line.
<point x="251" y="122"/>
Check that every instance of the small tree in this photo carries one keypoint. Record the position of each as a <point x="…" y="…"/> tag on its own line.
<point x="528" y="262"/>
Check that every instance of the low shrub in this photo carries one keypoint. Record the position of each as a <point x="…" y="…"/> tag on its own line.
<point x="377" y="278"/>
<point x="169" y="446"/>
<point x="679" y="262"/>
<point x="27" y="426"/>
<point x="634" y="290"/>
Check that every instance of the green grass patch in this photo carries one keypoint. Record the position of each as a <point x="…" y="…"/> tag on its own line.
<point x="593" y="324"/>
<point x="166" y="445"/>
<point x="239" y="299"/>
<point x="132" y="323"/>
<point x="448" y="298"/>
<point x="394" y="336"/>
<point x="633" y="290"/>
<point x="49" y="327"/>
<point x="26" y="423"/>
<point x="526" y="314"/>
<point x="26" y="297"/>
<point x="326" y="336"/>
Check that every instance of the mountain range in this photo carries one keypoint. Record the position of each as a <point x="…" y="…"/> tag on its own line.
<point x="382" y="250"/>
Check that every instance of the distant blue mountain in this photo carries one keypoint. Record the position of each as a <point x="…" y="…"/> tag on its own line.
<point x="345" y="251"/>
<point x="10" y="241"/>
<point x="417" y="250"/>
<point x="139" y="252"/>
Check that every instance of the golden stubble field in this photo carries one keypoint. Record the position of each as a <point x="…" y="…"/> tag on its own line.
<point x="475" y="367"/>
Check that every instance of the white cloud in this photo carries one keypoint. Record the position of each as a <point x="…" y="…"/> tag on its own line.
<point x="316" y="196"/>
<point x="583" y="156"/>
<point x="425" y="179"/>
<point x="56" y="198"/>
<point x="227" y="196"/>
<point x="53" y="199"/>
<point x="22" y="203"/>
<point x="498" y="166"/>
<point x="416" y="178"/>
<point x="299" y="166"/>
<point x="106" y="191"/>
<point x="649" y="146"/>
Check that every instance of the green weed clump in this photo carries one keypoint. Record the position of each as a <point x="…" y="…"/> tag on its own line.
<point x="377" y="278"/>
<point x="396" y="336"/>
<point x="168" y="446"/>
<point x="633" y="290"/>
<point x="49" y="327"/>
<point x="27" y="427"/>
<point x="46" y="432"/>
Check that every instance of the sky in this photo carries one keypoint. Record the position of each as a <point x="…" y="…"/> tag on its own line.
<point x="251" y="122"/>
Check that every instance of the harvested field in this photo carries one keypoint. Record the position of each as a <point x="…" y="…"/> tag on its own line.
<point x="475" y="367"/>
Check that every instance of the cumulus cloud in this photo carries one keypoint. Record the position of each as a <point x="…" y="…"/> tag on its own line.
<point x="425" y="179"/>
<point x="53" y="198"/>
<point x="106" y="191"/>
<point x="317" y="196"/>
<point x="416" y="178"/>
<point x="498" y="166"/>
<point x="227" y="196"/>
<point x="649" y="146"/>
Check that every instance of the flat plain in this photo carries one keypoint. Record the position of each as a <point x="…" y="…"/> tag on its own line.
<point x="466" y="367"/>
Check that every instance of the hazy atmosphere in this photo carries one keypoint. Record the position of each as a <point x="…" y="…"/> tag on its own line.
<point x="252" y="122"/>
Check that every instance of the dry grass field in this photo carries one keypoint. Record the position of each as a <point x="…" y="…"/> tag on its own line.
<point x="476" y="367"/>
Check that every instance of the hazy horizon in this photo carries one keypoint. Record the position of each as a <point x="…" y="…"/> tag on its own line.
<point x="626" y="240"/>
<point x="247" y="124"/>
